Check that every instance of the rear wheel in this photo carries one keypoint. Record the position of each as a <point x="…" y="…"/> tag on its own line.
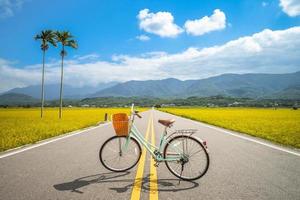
<point x="194" y="160"/>
<point x="117" y="156"/>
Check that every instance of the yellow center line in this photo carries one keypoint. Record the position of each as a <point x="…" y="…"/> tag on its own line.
<point x="153" y="194"/>
<point x="136" y="190"/>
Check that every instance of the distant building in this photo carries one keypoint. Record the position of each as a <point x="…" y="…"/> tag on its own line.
<point x="168" y="105"/>
<point x="235" y="104"/>
<point x="85" y="105"/>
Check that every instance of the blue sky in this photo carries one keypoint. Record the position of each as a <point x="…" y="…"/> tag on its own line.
<point x="149" y="39"/>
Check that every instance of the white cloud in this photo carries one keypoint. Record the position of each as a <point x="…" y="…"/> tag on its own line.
<point x="217" y="21"/>
<point x="290" y="7"/>
<point x="264" y="52"/>
<point x="143" y="37"/>
<point x="88" y="57"/>
<point x="160" y="23"/>
<point x="8" y="7"/>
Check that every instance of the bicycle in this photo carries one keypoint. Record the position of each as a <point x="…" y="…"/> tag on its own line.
<point x="185" y="156"/>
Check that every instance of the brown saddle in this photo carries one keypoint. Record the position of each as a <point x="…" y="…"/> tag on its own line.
<point x="166" y="122"/>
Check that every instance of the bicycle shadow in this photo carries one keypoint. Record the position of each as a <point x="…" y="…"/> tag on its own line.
<point x="164" y="185"/>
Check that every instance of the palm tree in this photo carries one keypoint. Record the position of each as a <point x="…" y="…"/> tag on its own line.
<point x="66" y="40"/>
<point x="46" y="36"/>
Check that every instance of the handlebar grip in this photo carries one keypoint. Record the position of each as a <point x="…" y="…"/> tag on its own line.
<point x="137" y="114"/>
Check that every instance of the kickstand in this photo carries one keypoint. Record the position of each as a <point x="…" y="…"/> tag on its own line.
<point x="182" y="165"/>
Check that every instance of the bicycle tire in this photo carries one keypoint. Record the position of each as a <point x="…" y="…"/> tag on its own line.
<point x="171" y="168"/>
<point x="132" y="142"/>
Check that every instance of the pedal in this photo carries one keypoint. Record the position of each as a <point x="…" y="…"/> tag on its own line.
<point x="156" y="164"/>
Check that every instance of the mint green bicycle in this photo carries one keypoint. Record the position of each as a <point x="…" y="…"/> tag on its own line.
<point x="185" y="155"/>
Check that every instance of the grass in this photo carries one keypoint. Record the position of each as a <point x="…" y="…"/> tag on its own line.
<point x="24" y="126"/>
<point x="280" y="126"/>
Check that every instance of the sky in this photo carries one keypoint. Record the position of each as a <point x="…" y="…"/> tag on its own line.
<point x="141" y="40"/>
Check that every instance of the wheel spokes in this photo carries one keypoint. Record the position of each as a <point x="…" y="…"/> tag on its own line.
<point x="118" y="154"/>
<point x="196" y="161"/>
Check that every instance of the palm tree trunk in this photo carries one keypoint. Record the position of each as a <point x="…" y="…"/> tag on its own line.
<point x="61" y="82"/>
<point x="43" y="81"/>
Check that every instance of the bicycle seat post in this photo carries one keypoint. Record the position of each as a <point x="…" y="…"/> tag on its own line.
<point x="165" y="130"/>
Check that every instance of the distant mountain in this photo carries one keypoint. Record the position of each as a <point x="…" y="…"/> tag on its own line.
<point x="152" y="88"/>
<point x="52" y="91"/>
<point x="12" y="99"/>
<point x="280" y="86"/>
<point x="235" y="85"/>
<point x="244" y="85"/>
<point x="291" y="92"/>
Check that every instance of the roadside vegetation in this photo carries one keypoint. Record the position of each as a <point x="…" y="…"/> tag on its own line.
<point x="280" y="125"/>
<point x="16" y="100"/>
<point x="24" y="126"/>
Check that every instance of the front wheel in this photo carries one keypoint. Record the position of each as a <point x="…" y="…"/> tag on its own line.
<point x="194" y="159"/>
<point x="120" y="153"/>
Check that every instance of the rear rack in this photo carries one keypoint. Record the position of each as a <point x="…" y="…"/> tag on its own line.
<point x="186" y="131"/>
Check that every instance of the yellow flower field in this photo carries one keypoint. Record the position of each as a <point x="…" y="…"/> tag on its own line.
<point x="23" y="126"/>
<point x="281" y="125"/>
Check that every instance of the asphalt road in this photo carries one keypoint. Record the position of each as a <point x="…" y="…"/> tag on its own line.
<point x="69" y="168"/>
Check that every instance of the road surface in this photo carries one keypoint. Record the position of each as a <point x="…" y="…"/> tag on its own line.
<point x="69" y="168"/>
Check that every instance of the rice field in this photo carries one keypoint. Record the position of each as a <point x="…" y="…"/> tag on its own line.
<point x="22" y="126"/>
<point x="280" y="126"/>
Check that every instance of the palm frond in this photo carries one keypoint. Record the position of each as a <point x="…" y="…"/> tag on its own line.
<point x="46" y="36"/>
<point x="66" y="39"/>
<point x="53" y="42"/>
<point x="37" y="37"/>
<point x="72" y="43"/>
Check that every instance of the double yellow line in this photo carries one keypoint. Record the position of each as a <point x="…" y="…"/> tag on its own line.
<point x="153" y="193"/>
<point x="136" y="190"/>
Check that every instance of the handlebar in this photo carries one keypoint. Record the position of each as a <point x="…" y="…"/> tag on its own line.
<point x="135" y="112"/>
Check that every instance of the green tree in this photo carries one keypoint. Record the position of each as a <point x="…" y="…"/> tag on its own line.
<point x="46" y="37"/>
<point x="66" y="40"/>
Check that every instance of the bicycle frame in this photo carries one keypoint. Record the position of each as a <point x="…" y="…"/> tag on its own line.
<point x="173" y="148"/>
<point x="134" y="132"/>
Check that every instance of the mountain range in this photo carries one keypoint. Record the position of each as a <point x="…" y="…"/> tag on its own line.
<point x="283" y="86"/>
<point x="52" y="91"/>
<point x="235" y="85"/>
<point x="13" y="99"/>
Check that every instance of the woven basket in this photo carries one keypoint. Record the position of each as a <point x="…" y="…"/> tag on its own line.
<point x="121" y="124"/>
